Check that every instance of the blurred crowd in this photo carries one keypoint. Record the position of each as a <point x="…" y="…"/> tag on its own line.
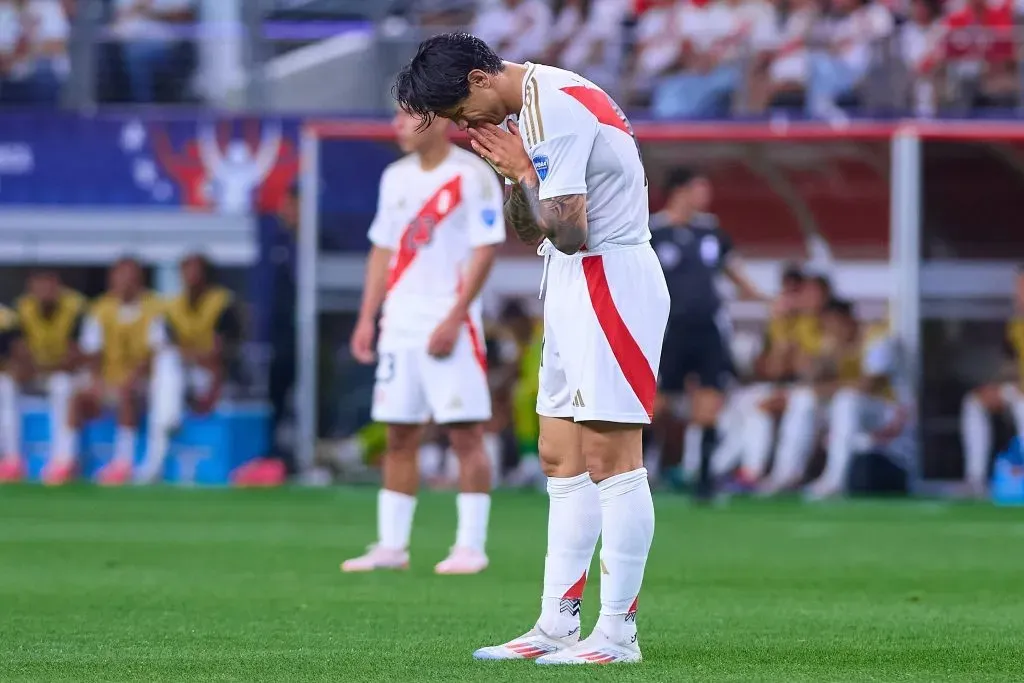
<point x="141" y="56"/>
<point x="680" y="58"/>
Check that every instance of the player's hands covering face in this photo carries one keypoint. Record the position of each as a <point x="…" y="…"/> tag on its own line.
<point x="502" y="149"/>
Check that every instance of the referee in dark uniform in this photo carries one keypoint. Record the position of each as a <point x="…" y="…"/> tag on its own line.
<point x="696" y="361"/>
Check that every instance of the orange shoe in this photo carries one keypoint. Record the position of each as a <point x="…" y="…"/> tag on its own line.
<point x="12" y="470"/>
<point x="115" y="473"/>
<point x="58" y="473"/>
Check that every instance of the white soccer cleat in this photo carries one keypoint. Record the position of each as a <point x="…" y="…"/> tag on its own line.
<point x="531" y="645"/>
<point x="462" y="561"/>
<point x="597" y="648"/>
<point x="377" y="558"/>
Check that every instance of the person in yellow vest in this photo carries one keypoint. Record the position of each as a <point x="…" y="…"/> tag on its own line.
<point x="202" y="326"/>
<point x="1004" y="395"/>
<point x="870" y="414"/>
<point x="122" y="331"/>
<point x="45" y="356"/>
<point x="11" y="466"/>
<point x="824" y="364"/>
<point x="792" y="338"/>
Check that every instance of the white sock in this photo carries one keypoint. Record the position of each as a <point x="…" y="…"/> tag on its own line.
<point x="10" y="418"/>
<point x="60" y="389"/>
<point x="574" y="525"/>
<point x="691" y="449"/>
<point x="394" y="519"/>
<point x="124" y="445"/>
<point x="758" y="435"/>
<point x="627" y="518"/>
<point x="157" y="443"/>
<point x="1017" y="408"/>
<point x="730" y="447"/>
<point x="844" y="422"/>
<point x="796" y="437"/>
<point x="976" y="432"/>
<point x="474" y="510"/>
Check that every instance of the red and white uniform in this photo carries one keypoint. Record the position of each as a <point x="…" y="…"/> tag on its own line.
<point x="432" y="221"/>
<point x="606" y="307"/>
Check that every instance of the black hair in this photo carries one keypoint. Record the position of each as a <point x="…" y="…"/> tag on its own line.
<point x="823" y="282"/>
<point x="793" y="273"/>
<point x="204" y="263"/>
<point x="682" y="176"/>
<point x="437" y="78"/>
<point x="840" y="307"/>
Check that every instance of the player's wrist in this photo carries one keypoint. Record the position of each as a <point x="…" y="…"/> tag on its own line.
<point x="528" y="177"/>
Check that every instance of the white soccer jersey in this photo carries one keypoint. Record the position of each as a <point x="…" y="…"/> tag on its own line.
<point x="432" y="220"/>
<point x="581" y="143"/>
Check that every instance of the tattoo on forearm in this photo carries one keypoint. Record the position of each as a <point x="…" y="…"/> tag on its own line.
<point x="519" y="215"/>
<point x="563" y="219"/>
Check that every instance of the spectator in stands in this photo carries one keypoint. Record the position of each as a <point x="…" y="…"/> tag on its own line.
<point x="588" y="39"/>
<point x="658" y="48"/>
<point x="838" y="70"/>
<point x="202" y="328"/>
<point x="122" y="332"/>
<point x="149" y="46"/>
<point x="720" y="37"/>
<point x="518" y="30"/>
<point x="980" y="52"/>
<point x="43" y="360"/>
<point x="921" y="45"/>
<point x="1004" y="395"/>
<point x="780" y="71"/>
<point x="33" y="50"/>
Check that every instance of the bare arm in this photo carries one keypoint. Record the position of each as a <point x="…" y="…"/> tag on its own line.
<point x="376" y="282"/>
<point x="519" y="215"/>
<point x="479" y="268"/>
<point x="737" y="275"/>
<point x="562" y="219"/>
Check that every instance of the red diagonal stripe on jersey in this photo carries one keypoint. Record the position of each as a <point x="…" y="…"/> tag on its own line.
<point x="631" y="359"/>
<point x="600" y="105"/>
<point x="479" y="350"/>
<point x="417" y="233"/>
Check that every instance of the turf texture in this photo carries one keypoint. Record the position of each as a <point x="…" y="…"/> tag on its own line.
<point x="211" y="585"/>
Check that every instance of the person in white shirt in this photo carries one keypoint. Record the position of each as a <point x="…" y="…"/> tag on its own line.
<point x="579" y="191"/>
<point x="921" y="45"/>
<point x="438" y="224"/>
<point x="659" y="47"/>
<point x="784" y="57"/>
<point x="520" y="29"/>
<point x="33" y="50"/>
<point x="720" y="36"/>
<point x="146" y="31"/>
<point x="840" y="68"/>
<point x="595" y="50"/>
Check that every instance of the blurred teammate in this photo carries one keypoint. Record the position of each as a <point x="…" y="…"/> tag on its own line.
<point x="49" y="322"/>
<point x="980" y="404"/>
<point x="12" y="469"/>
<point x="434" y="239"/>
<point x="119" y="336"/>
<point x="578" y="184"/>
<point x="202" y="324"/>
<point x="697" y="360"/>
<point x="870" y="403"/>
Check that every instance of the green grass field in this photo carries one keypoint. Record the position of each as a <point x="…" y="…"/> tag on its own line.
<point x="209" y="585"/>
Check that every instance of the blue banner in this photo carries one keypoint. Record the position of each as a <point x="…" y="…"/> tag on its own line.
<point x="192" y="162"/>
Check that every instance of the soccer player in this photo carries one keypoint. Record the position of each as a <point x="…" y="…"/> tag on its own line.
<point x="434" y="239"/>
<point x="201" y="324"/>
<point x="49" y="322"/>
<point x="120" y="334"/>
<point x="578" y="189"/>
<point x="997" y="397"/>
<point x="693" y="251"/>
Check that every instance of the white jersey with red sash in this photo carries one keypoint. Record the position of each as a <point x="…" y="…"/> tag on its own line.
<point x="432" y="220"/>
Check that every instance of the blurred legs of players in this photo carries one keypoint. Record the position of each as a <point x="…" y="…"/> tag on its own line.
<point x="976" y="429"/>
<point x="758" y="433"/>
<point x="10" y="430"/>
<point x="797" y="432"/>
<point x="167" y="390"/>
<point x="728" y="455"/>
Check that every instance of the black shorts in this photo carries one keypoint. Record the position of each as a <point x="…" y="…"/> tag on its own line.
<point x="695" y="349"/>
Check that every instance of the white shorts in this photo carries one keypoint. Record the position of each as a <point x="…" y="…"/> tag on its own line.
<point x="413" y="387"/>
<point x="604" y="324"/>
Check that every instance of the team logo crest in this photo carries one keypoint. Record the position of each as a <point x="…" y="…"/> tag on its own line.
<point x="540" y="162"/>
<point x="710" y="250"/>
<point x="489" y="216"/>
